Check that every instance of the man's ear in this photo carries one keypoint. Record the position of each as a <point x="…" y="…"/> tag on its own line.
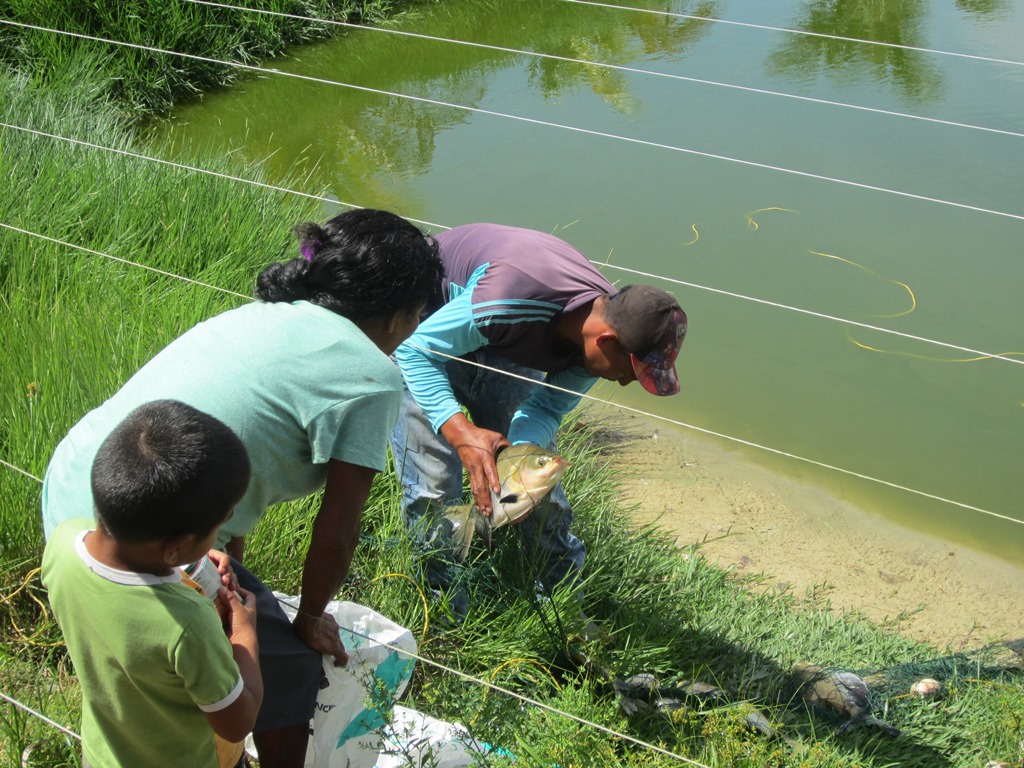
<point x="173" y="546"/>
<point x="604" y="338"/>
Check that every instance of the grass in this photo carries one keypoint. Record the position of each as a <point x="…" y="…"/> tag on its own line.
<point x="145" y="82"/>
<point x="75" y="325"/>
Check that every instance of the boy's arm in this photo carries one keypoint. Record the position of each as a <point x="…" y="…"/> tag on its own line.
<point x="235" y="721"/>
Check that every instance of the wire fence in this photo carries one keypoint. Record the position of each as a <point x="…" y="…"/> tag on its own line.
<point x="264" y="70"/>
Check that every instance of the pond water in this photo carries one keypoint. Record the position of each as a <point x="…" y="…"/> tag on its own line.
<point x="905" y="214"/>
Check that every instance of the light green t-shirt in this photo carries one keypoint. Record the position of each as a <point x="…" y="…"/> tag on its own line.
<point x="150" y="654"/>
<point x="299" y="384"/>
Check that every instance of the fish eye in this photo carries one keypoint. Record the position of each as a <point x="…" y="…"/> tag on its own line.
<point x="542" y="460"/>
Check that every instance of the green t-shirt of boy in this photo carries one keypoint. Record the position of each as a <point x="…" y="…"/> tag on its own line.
<point x="150" y="653"/>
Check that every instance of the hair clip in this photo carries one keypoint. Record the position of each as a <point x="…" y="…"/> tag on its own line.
<point x="309" y="248"/>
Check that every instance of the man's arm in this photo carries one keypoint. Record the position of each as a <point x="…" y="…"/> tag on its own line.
<point x="538" y="418"/>
<point x="449" y="331"/>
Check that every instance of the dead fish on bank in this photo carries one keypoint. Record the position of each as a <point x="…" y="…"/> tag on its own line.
<point x="842" y="692"/>
<point x="926" y="687"/>
<point x="527" y="474"/>
<point x="642" y="693"/>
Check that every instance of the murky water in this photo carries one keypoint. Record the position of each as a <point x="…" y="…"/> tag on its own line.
<point x="894" y="222"/>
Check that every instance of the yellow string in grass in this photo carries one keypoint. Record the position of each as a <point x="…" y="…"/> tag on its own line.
<point x="423" y="597"/>
<point x="30" y="640"/>
<point x="508" y="663"/>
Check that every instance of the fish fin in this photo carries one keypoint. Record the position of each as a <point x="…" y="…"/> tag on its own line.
<point x="845" y="727"/>
<point x="462" y="530"/>
<point x="890" y="730"/>
<point x="511" y="498"/>
<point x="483" y="528"/>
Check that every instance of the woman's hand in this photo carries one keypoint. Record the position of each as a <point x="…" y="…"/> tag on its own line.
<point x="322" y="634"/>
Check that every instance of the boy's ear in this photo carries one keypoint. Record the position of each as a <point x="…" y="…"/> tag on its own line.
<point x="173" y="546"/>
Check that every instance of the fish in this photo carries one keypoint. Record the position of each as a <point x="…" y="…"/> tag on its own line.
<point x="527" y="473"/>
<point x="843" y="693"/>
<point x="642" y="693"/>
<point x="926" y="687"/>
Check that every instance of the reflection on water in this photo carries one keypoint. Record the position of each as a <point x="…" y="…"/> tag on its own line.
<point x="984" y="8"/>
<point x="898" y="22"/>
<point x="345" y="138"/>
<point x="621" y="44"/>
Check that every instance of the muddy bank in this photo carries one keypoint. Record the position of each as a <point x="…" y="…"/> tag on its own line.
<point x="751" y="520"/>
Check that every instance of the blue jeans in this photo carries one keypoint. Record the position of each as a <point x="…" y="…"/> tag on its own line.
<point x="431" y="472"/>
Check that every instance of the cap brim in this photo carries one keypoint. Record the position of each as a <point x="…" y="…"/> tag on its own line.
<point x="658" y="380"/>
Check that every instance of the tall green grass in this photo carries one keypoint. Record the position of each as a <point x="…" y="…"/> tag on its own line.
<point x="75" y="325"/>
<point x="146" y="82"/>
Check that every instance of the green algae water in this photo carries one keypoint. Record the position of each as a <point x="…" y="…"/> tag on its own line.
<point x="718" y="160"/>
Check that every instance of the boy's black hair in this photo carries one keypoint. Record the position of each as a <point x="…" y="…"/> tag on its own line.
<point x="167" y="469"/>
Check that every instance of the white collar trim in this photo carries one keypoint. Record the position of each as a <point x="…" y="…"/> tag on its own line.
<point x="127" y="578"/>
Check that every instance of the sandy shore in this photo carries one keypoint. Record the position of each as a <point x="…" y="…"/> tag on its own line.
<point x="754" y="521"/>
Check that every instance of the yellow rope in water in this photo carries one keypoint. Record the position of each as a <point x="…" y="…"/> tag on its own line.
<point x="913" y="299"/>
<point x="750" y="216"/>
<point x="423" y="597"/>
<point x="696" y="235"/>
<point x="935" y="359"/>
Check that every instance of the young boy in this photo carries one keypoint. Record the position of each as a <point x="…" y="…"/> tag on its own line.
<point x="159" y="678"/>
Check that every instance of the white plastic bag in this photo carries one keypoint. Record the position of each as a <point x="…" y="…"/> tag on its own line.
<point x="415" y="740"/>
<point x="355" y="701"/>
<point x="356" y="723"/>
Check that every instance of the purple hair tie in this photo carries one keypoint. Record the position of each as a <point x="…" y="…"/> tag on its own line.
<point x="309" y="248"/>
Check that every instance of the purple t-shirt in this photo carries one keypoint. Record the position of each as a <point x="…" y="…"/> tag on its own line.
<point x="530" y="279"/>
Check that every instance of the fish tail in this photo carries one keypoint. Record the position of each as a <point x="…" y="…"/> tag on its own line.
<point x="484" y="528"/>
<point x="890" y="730"/>
<point x="462" y="530"/>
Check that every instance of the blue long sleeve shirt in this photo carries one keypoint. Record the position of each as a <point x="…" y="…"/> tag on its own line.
<point x="504" y="288"/>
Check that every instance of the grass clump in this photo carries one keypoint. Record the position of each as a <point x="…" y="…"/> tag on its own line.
<point x="148" y="82"/>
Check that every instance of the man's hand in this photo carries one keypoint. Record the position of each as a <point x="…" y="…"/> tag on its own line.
<point x="476" y="448"/>
<point x="321" y="634"/>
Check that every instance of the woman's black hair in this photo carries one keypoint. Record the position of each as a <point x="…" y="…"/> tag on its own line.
<point x="364" y="264"/>
<point x="166" y="470"/>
